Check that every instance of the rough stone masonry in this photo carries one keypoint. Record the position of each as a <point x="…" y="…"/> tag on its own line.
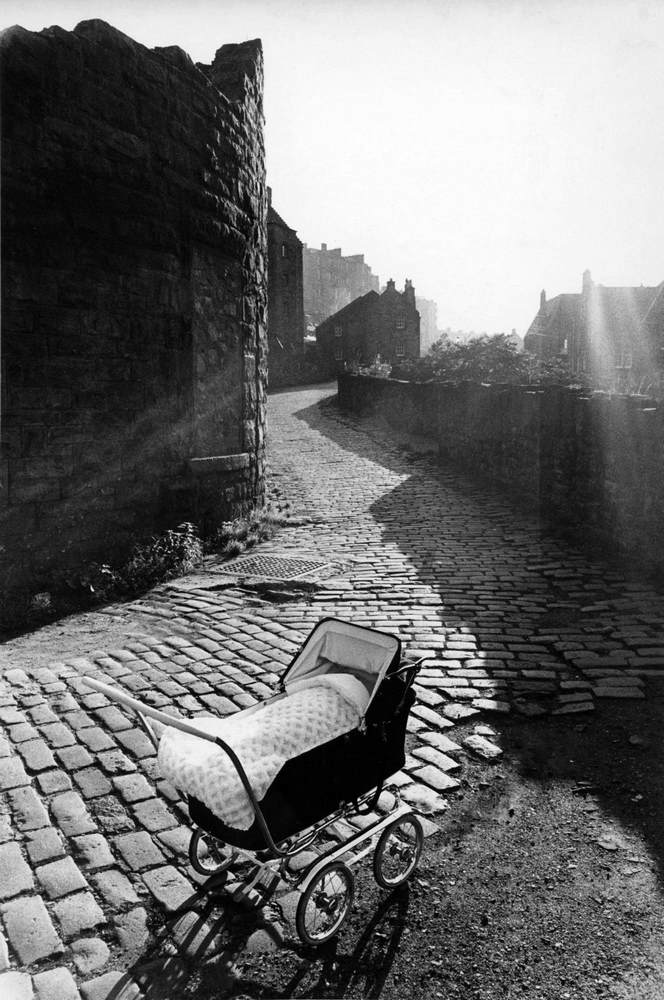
<point x="133" y="293"/>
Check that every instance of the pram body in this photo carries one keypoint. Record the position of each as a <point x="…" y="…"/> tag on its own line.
<point x="335" y="779"/>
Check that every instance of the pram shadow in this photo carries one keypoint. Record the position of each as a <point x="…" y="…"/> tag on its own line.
<point x="487" y="561"/>
<point x="198" y="949"/>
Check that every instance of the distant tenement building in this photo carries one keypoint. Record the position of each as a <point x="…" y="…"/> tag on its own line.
<point x="285" y="316"/>
<point x="614" y="336"/>
<point x="332" y="281"/>
<point x="385" y="327"/>
<point x="429" y="332"/>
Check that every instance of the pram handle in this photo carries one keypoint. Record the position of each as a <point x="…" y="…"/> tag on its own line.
<point x="408" y="665"/>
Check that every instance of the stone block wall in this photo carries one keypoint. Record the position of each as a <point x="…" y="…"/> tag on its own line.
<point x="133" y="294"/>
<point x="589" y="465"/>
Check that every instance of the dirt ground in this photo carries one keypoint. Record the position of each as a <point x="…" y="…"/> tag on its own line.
<point x="545" y="882"/>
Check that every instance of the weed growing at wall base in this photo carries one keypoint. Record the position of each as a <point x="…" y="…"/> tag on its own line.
<point x="164" y="557"/>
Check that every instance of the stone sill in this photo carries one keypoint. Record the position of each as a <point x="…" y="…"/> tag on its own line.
<point x="219" y="463"/>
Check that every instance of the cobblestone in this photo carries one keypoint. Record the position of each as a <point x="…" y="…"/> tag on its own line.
<point x="59" y="878"/>
<point x="78" y="913"/>
<point x="15" y="874"/>
<point x="56" y="983"/>
<point x="29" y="929"/>
<point x="16" y="986"/>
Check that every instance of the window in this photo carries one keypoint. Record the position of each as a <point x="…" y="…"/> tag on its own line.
<point x="400" y="349"/>
<point x="284" y="250"/>
<point x="338" y="352"/>
<point x="338" y="330"/>
<point x="401" y="322"/>
<point x="624" y="359"/>
<point x="565" y="346"/>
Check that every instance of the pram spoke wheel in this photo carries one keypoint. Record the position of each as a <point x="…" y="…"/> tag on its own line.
<point x="206" y="855"/>
<point x="398" y="851"/>
<point x="325" y="903"/>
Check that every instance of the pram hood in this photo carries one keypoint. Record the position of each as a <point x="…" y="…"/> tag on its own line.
<point x="336" y="646"/>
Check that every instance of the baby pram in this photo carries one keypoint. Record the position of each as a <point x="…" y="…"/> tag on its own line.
<point x="346" y="673"/>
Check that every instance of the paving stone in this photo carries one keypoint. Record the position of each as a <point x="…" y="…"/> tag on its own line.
<point x="113" y="718"/>
<point x="491" y="705"/>
<point x="482" y="747"/>
<point x="133" y="787"/>
<point x="117" y="985"/>
<point x="132" y="929"/>
<point x="90" y="954"/>
<point x="56" y="984"/>
<point x="27" y="809"/>
<point x="436" y="757"/>
<point x="137" y="742"/>
<point x="111" y="815"/>
<point x="36" y="755"/>
<point x="169" y="887"/>
<point x="78" y="913"/>
<point x="431" y="717"/>
<point x="115" y="762"/>
<point x="154" y="815"/>
<point x="57" y="735"/>
<point x="92" y="782"/>
<point x="15" y="875"/>
<point x="16" y="986"/>
<point x="424" y="799"/>
<point x="92" y="851"/>
<point x="53" y="781"/>
<point x="440" y="742"/>
<point x="96" y="739"/>
<point x="23" y="731"/>
<point x="437" y="779"/>
<point x="139" y="850"/>
<point x="71" y="815"/>
<point x="59" y="878"/>
<point x="115" y="887"/>
<point x="44" y="845"/>
<point x="607" y="691"/>
<point x="29" y="929"/>
<point x="456" y="713"/>
<point x="74" y="758"/>
<point x="12" y="773"/>
<point x="177" y="840"/>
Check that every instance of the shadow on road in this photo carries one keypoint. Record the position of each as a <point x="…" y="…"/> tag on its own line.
<point x="523" y="599"/>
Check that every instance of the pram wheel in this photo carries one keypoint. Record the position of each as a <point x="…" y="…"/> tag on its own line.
<point x="398" y="851"/>
<point x="325" y="904"/>
<point x="206" y="856"/>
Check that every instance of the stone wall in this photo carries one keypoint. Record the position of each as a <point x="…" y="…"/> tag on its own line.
<point x="590" y="465"/>
<point x="133" y="294"/>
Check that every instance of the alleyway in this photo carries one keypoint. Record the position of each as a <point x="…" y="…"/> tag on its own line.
<point x="514" y="627"/>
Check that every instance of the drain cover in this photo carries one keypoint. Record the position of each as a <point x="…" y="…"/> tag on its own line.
<point x="274" y="567"/>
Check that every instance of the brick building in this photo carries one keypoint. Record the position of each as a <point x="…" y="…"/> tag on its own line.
<point x="134" y="296"/>
<point x="331" y="281"/>
<point x="613" y="335"/>
<point x="374" y="326"/>
<point x="285" y="317"/>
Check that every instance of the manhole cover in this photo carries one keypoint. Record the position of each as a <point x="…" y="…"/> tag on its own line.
<point x="275" y="567"/>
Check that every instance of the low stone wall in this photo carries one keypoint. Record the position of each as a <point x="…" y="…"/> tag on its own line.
<point x="590" y="465"/>
<point x="133" y="294"/>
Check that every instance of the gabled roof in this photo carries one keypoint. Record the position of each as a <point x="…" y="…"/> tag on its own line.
<point x="273" y="218"/>
<point x="357" y="305"/>
<point x="557" y="314"/>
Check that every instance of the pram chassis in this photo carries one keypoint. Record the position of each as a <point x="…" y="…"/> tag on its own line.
<point x="271" y="864"/>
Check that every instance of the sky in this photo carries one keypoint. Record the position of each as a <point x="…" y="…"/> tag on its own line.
<point x="485" y="150"/>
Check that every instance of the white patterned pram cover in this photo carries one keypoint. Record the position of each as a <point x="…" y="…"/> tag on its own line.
<point x="314" y="710"/>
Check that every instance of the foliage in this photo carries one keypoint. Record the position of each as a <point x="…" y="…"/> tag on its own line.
<point x="486" y="359"/>
<point x="483" y="359"/>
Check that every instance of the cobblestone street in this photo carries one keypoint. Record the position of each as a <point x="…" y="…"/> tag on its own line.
<point x="93" y="844"/>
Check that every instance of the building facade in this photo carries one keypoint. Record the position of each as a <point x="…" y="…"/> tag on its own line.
<point x="429" y="332"/>
<point x="331" y="281"/>
<point x="614" y="336"/>
<point x="285" y="317"/>
<point x="134" y="301"/>
<point x="374" y="328"/>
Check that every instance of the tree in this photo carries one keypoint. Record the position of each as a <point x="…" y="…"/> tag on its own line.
<point x="482" y="359"/>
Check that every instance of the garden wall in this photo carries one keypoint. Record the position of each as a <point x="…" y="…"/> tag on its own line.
<point x="590" y="465"/>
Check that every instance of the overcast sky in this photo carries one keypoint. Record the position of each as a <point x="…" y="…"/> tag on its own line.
<point x="485" y="150"/>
